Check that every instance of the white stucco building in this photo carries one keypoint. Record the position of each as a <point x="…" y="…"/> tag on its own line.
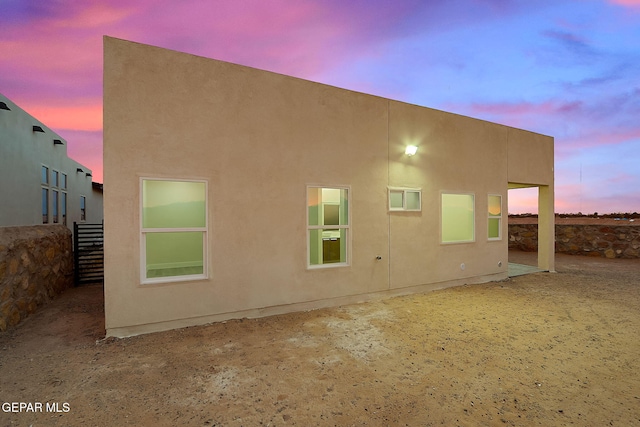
<point x="39" y="183"/>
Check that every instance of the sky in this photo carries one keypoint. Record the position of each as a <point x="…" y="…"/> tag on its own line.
<point x="568" y="69"/>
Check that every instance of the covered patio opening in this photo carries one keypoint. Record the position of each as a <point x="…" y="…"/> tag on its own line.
<point x="546" y="232"/>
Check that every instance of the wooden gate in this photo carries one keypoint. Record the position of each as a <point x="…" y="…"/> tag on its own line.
<point x="88" y="253"/>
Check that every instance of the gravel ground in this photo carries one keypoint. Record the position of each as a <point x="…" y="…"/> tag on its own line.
<point x="545" y="349"/>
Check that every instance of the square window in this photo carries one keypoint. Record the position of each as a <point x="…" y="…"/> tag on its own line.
<point x="328" y="226"/>
<point x="174" y="230"/>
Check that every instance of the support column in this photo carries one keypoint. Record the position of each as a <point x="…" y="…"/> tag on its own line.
<point x="546" y="229"/>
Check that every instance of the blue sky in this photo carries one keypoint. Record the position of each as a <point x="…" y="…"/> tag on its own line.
<point x="569" y="69"/>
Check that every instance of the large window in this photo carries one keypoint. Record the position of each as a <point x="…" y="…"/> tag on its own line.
<point x="327" y="226"/>
<point x="405" y="199"/>
<point x="458" y="218"/>
<point x="495" y="217"/>
<point x="174" y="230"/>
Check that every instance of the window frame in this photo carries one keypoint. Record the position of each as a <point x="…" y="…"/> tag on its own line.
<point x="63" y="206"/>
<point x="404" y="191"/>
<point x="44" y="169"/>
<point x="44" y="193"/>
<point x="144" y="280"/>
<point x="83" y="208"/>
<point x="498" y="217"/>
<point x="55" y="205"/>
<point x="473" y="222"/>
<point x="44" y="200"/>
<point x="63" y="197"/>
<point x="346" y="227"/>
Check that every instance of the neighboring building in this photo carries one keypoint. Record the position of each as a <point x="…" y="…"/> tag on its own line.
<point x="39" y="184"/>
<point x="235" y="192"/>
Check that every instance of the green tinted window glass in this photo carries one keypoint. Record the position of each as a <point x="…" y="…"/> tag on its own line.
<point x="413" y="200"/>
<point x="396" y="199"/>
<point x="173" y="204"/>
<point x="174" y="254"/>
<point x="457" y="218"/>
<point x="494" y="228"/>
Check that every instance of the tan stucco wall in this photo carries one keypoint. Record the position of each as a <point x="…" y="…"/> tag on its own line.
<point x="259" y="139"/>
<point x="530" y="158"/>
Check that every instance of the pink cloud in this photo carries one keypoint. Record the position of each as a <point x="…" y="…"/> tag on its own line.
<point x="627" y="3"/>
<point x="593" y="138"/>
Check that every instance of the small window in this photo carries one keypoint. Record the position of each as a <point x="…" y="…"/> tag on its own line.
<point x="405" y="199"/>
<point x="495" y="217"/>
<point x="54" y="178"/>
<point x="45" y="205"/>
<point x="45" y="175"/>
<point x="54" y="195"/>
<point x="327" y="226"/>
<point x="63" y="181"/>
<point x="174" y="230"/>
<point x="458" y="218"/>
<point x="63" y="207"/>
<point x="83" y="208"/>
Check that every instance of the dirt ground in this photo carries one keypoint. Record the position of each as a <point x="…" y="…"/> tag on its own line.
<point x="538" y="350"/>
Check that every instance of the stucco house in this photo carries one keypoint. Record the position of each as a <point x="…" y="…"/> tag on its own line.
<point x="39" y="183"/>
<point x="235" y="192"/>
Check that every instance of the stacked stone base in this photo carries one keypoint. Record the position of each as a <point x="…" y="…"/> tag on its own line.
<point x="36" y="264"/>
<point x="594" y="240"/>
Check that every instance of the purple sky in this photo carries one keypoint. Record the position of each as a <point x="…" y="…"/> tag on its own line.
<point x="569" y="69"/>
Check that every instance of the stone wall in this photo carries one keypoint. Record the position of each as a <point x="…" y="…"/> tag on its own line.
<point x="621" y="241"/>
<point x="36" y="264"/>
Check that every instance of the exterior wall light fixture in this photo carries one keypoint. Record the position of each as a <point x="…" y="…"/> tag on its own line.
<point x="57" y="142"/>
<point x="38" y="129"/>
<point x="78" y="170"/>
<point x="411" y="150"/>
